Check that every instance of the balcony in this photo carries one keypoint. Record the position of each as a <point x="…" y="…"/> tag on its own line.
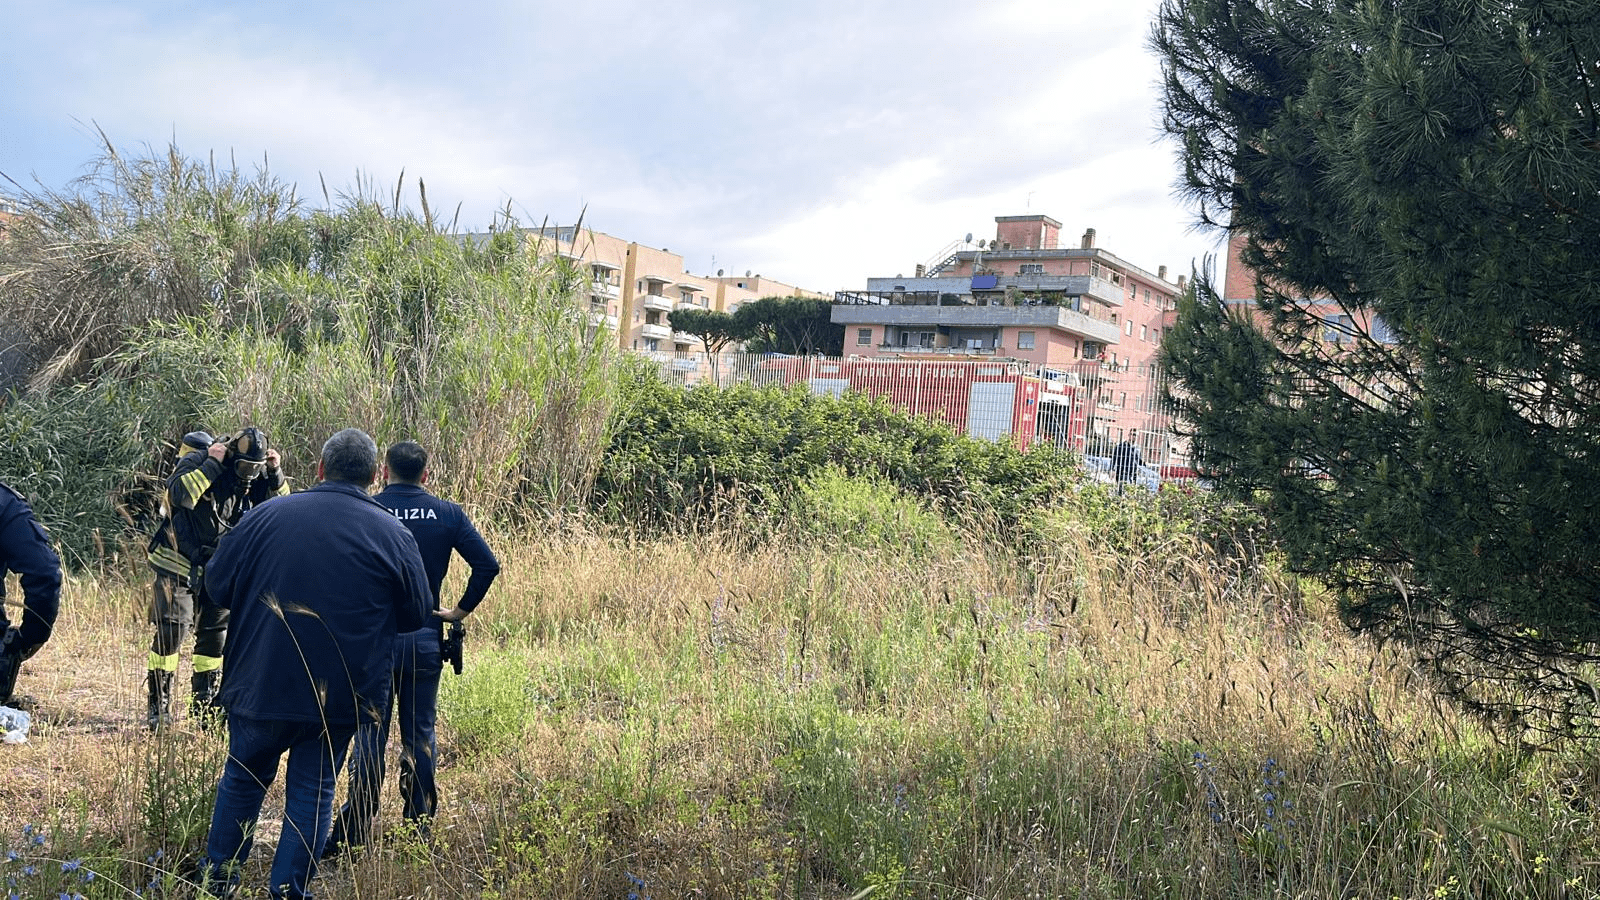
<point x="987" y="289"/>
<point x="931" y="317"/>
<point x="597" y="317"/>
<point x="942" y="351"/>
<point x="656" y="302"/>
<point x="604" y="289"/>
<point x="659" y="332"/>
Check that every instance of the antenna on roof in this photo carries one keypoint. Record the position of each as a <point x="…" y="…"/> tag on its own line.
<point x="968" y="239"/>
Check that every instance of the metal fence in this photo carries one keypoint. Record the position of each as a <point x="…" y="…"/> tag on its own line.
<point x="1089" y="407"/>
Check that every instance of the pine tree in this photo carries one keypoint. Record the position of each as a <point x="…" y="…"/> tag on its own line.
<point x="1431" y="171"/>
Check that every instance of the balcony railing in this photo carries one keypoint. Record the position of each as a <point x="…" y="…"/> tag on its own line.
<point x="657" y="302"/>
<point x="659" y="332"/>
<point x="943" y="351"/>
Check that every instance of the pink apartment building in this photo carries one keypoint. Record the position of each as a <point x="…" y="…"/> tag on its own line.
<point x="1088" y="320"/>
<point x="1339" y="326"/>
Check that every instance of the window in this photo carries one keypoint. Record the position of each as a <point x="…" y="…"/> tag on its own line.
<point x="1338" y="328"/>
<point x="1030" y="269"/>
<point x="1128" y="327"/>
<point x="864" y="337"/>
<point x="1025" y="340"/>
<point x="1143" y="334"/>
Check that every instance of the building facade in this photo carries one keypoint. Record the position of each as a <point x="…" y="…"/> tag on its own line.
<point x="633" y="289"/>
<point x="1088" y="320"/>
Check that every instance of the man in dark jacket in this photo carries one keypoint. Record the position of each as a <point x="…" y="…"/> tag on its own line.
<point x="207" y="494"/>
<point x="441" y="528"/>
<point x="319" y="583"/>
<point x="1126" y="459"/>
<point x="25" y="549"/>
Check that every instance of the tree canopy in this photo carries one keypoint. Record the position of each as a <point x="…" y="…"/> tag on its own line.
<point x="716" y="329"/>
<point x="797" y="325"/>
<point x="1419" y="182"/>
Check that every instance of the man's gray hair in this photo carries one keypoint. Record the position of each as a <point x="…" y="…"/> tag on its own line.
<point x="350" y="456"/>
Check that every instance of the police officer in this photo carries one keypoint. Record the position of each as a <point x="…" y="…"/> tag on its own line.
<point x="25" y="549"/>
<point x="441" y="528"/>
<point x="207" y="494"/>
<point x="320" y="583"/>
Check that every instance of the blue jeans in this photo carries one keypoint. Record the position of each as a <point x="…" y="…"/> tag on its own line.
<point x="254" y="748"/>
<point x="415" y="694"/>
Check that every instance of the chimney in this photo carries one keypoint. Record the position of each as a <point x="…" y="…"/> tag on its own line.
<point x="920" y="270"/>
<point x="1161" y="272"/>
<point x="1088" y="239"/>
<point x="1183" y="281"/>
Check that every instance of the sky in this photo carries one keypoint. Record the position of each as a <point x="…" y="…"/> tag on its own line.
<point x="815" y="143"/>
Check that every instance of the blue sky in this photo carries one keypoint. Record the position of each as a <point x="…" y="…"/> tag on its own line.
<point x="815" y="143"/>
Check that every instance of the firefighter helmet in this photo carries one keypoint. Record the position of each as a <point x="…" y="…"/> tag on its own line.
<point x="249" y="444"/>
<point x="194" y="440"/>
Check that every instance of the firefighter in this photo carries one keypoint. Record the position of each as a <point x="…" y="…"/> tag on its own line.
<point x="25" y="549"/>
<point x="207" y="494"/>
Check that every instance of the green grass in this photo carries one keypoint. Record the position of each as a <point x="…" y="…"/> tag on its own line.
<point x="700" y="716"/>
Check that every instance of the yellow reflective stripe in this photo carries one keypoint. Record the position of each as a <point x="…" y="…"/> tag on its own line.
<point x="169" y="560"/>
<point x="207" y="663"/>
<point x="282" y="489"/>
<point x="194" y="484"/>
<point x="163" y="663"/>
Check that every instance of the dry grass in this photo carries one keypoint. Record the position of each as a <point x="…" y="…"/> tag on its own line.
<point x="717" y="719"/>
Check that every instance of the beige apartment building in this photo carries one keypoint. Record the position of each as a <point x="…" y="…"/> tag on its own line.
<point x="634" y="288"/>
<point x="8" y="214"/>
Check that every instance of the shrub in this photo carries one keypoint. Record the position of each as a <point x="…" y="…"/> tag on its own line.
<point x="689" y="457"/>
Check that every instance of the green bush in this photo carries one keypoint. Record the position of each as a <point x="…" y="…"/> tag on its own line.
<point x="689" y="457"/>
<point x="72" y="454"/>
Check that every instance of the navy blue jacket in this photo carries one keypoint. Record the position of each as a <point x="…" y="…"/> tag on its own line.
<point x="441" y="527"/>
<point x="319" y="583"/>
<point x="25" y="549"/>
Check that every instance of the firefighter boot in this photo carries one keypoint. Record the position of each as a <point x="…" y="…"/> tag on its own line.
<point x="203" y="706"/>
<point x="159" y="712"/>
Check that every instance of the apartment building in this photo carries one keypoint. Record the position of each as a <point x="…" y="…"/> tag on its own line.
<point x="634" y="288"/>
<point x="8" y="214"/>
<point x="1340" y="326"/>
<point x="1088" y="319"/>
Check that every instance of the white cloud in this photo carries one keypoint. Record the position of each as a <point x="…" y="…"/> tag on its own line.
<point x="818" y="144"/>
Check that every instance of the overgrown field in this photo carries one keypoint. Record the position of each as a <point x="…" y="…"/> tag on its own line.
<point x="1129" y="710"/>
